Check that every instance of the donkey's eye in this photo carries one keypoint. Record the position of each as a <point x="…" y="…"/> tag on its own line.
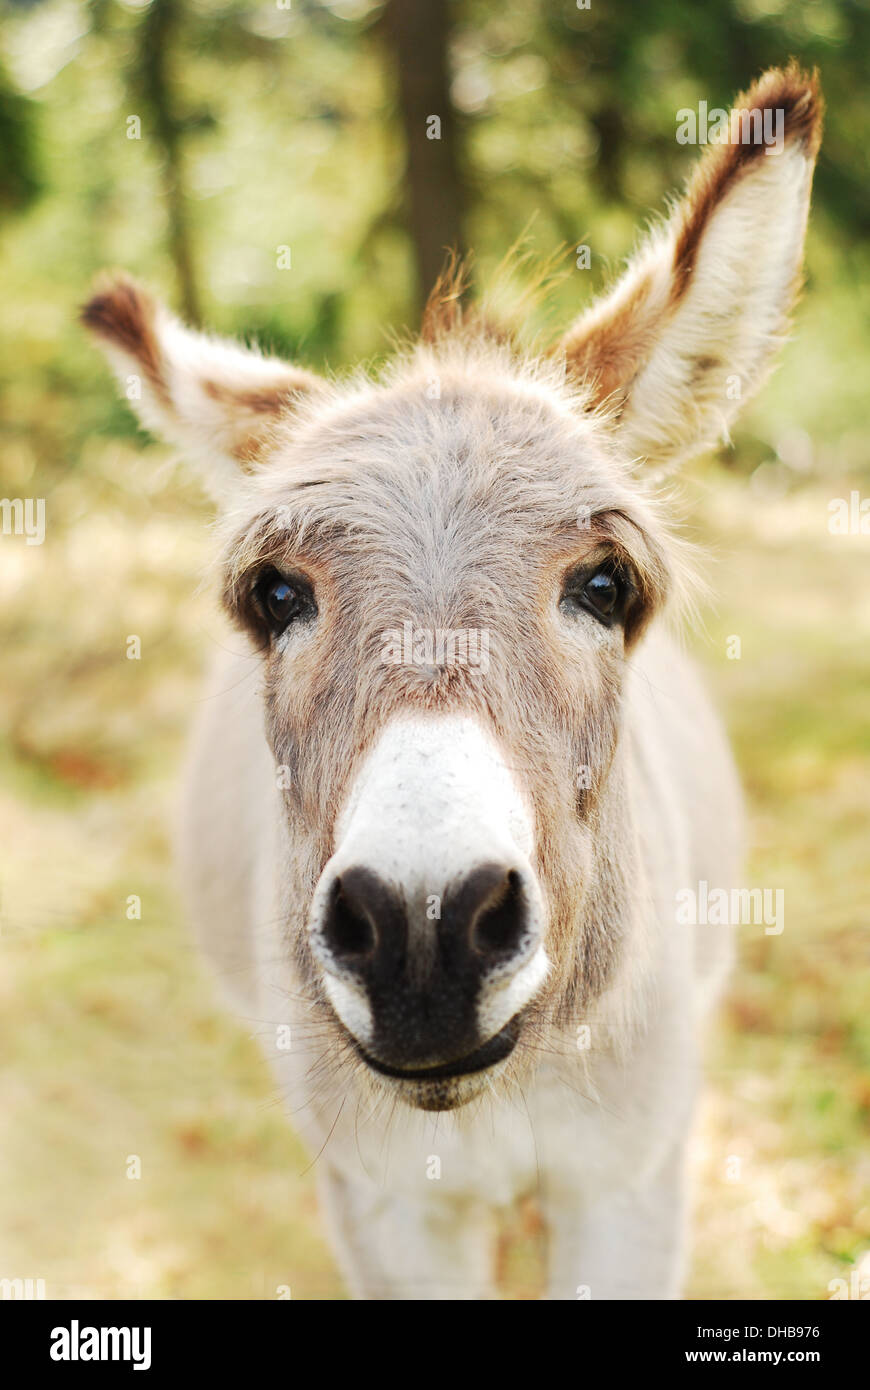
<point x="603" y="593"/>
<point x="281" y="600"/>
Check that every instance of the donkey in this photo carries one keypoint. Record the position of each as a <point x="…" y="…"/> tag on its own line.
<point x="449" y="884"/>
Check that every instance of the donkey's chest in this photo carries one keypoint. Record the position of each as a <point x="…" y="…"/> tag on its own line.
<point x="550" y="1138"/>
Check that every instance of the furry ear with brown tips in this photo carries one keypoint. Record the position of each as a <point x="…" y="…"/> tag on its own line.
<point x="690" y="331"/>
<point x="216" y="400"/>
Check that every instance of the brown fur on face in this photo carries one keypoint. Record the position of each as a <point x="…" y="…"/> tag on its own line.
<point x="461" y="512"/>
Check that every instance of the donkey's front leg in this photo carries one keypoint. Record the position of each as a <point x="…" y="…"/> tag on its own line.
<point x="629" y="1244"/>
<point x="398" y="1247"/>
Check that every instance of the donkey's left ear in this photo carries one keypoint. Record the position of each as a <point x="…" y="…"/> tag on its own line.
<point x="215" y="400"/>
<point x="689" y="332"/>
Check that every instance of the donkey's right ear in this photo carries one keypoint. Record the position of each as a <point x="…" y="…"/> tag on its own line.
<point x="217" y="401"/>
<point x="690" y="330"/>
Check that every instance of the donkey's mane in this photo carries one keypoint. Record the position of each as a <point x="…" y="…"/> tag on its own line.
<point x="520" y="284"/>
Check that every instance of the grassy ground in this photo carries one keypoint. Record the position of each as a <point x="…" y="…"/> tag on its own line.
<point x="112" y="1046"/>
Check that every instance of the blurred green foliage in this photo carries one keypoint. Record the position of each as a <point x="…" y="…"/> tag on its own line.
<point x="262" y="126"/>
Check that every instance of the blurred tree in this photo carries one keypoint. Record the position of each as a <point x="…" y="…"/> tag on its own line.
<point x="20" y="179"/>
<point x="265" y="124"/>
<point x="152" y="78"/>
<point x="622" y="70"/>
<point x="418" y="32"/>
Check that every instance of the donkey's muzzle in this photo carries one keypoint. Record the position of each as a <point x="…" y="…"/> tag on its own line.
<point x="428" y="921"/>
<point x="423" y="968"/>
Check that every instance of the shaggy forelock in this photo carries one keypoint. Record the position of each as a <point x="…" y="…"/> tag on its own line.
<point x="464" y="440"/>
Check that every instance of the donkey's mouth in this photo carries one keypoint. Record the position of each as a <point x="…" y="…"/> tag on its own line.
<point x="494" y="1050"/>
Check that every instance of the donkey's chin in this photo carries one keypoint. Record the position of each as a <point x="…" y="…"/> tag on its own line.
<point x="447" y="1085"/>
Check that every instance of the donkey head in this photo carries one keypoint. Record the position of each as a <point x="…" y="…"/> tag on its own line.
<point x="444" y="573"/>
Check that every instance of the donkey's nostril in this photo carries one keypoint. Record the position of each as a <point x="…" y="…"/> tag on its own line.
<point x="360" y="906"/>
<point x="364" y="928"/>
<point x="494" y="906"/>
<point x="347" y="931"/>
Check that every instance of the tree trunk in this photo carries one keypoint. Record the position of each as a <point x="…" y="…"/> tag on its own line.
<point x="153" y="61"/>
<point x="418" y="33"/>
